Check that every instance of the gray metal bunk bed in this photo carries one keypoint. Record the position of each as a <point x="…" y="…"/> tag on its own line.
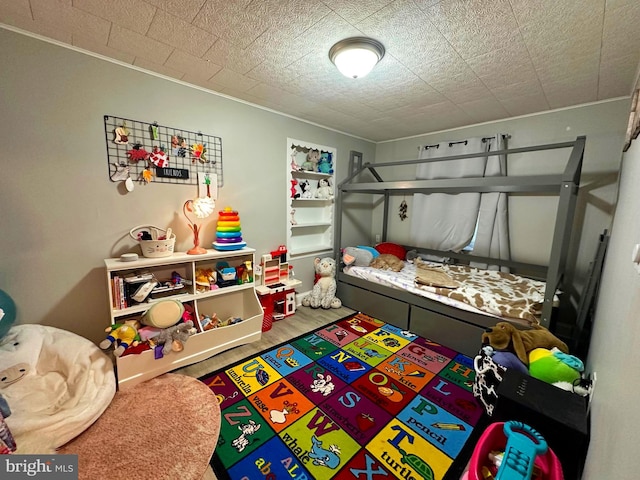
<point x="454" y="327"/>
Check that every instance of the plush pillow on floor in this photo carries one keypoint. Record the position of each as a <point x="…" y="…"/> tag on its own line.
<point x="67" y="383"/>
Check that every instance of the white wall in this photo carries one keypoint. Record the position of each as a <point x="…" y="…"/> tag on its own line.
<point x="61" y="215"/>
<point x="615" y="345"/>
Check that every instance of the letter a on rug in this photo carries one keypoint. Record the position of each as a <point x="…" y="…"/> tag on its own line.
<point x="356" y="399"/>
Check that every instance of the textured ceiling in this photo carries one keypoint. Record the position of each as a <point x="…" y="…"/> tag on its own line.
<point x="449" y="63"/>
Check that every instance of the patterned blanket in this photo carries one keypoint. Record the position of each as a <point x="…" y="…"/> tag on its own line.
<point x="499" y="293"/>
<point x="483" y="291"/>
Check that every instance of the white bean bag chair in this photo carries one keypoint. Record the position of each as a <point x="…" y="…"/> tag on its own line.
<point x="66" y="383"/>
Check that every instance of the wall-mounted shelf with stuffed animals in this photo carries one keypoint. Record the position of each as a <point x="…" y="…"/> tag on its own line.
<point x="310" y="204"/>
<point x="145" y="152"/>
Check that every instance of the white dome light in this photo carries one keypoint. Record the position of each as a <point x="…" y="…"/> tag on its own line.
<point x="355" y="57"/>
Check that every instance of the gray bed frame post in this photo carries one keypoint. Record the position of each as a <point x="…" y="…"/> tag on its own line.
<point x="355" y="167"/>
<point x="337" y="234"/>
<point x="562" y="231"/>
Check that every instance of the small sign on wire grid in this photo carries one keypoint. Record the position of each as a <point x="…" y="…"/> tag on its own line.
<point x="161" y="153"/>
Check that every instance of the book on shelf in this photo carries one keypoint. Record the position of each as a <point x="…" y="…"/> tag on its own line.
<point x="118" y="293"/>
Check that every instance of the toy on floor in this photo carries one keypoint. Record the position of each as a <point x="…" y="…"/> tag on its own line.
<point x="122" y="335"/>
<point x="324" y="290"/>
<point x="174" y="338"/>
<point x="504" y="335"/>
<point x="524" y="444"/>
<point x="512" y="451"/>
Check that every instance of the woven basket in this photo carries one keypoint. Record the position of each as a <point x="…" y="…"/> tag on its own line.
<point x="154" y="248"/>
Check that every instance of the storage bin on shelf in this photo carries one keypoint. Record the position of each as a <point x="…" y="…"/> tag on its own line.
<point x="157" y="246"/>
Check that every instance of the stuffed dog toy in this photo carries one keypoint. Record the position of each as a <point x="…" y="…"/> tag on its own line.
<point x="522" y="341"/>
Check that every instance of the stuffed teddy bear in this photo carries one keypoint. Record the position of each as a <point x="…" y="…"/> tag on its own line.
<point x="311" y="163"/>
<point x="123" y="335"/>
<point x="324" y="291"/>
<point x="324" y="189"/>
<point x="504" y="335"/>
<point x="174" y="338"/>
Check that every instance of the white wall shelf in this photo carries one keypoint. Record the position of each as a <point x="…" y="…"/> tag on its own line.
<point x="310" y="229"/>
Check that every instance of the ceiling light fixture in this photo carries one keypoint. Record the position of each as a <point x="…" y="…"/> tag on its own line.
<point x="355" y="57"/>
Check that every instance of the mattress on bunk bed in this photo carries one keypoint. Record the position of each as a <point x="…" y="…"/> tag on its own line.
<point x="487" y="292"/>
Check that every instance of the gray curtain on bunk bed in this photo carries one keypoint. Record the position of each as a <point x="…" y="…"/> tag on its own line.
<point x="448" y="221"/>
<point x="443" y="221"/>
<point x="492" y="236"/>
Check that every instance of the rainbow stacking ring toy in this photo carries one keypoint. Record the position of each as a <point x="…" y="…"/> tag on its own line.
<point x="228" y="231"/>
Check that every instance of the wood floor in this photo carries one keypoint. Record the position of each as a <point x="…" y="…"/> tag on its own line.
<point x="304" y="320"/>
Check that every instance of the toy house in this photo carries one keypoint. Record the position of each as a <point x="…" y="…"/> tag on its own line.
<point x="275" y="289"/>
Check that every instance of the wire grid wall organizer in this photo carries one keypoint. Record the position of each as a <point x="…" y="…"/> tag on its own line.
<point x="183" y="161"/>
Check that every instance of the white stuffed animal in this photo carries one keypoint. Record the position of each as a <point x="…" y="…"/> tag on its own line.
<point x="324" y="291"/>
<point x="305" y="187"/>
<point x="324" y="189"/>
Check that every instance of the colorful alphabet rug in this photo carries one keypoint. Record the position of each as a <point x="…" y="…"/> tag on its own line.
<point x="356" y="399"/>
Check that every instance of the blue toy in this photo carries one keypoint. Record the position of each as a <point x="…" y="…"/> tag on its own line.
<point x="7" y="313"/>
<point x="325" y="165"/>
<point x="524" y="444"/>
<point x="554" y="366"/>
